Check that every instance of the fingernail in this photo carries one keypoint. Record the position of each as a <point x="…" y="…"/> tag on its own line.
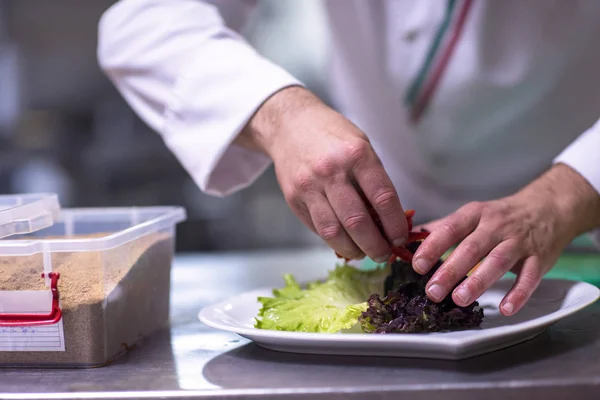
<point x="383" y="259"/>
<point x="463" y="295"/>
<point x="399" y="242"/>
<point x="436" y="292"/>
<point x="508" y="308"/>
<point x="421" y="265"/>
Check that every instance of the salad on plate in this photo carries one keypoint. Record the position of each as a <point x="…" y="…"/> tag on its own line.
<point x="389" y="299"/>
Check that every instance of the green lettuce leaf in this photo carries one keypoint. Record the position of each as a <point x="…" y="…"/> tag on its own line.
<point x="327" y="307"/>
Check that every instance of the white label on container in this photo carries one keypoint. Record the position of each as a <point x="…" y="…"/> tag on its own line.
<point x="30" y="338"/>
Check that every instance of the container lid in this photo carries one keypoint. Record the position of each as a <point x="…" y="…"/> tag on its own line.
<point x="27" y="213"/>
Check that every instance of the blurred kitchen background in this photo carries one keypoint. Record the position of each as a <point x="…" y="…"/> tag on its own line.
<point x="65" y="129"/>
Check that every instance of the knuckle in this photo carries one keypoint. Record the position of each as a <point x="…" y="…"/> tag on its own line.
<point x="477" y="283"/>
<point x="472" y="249"/>
<point x="330" y="231"/>
<point x="530" y="278"/>
<point x="357" y="151"/>
<point x="291" y="197"/>
<point x="325" y="168"/>
<point x="473" y="207"/>
<point x="498" y="213"/>
<point x="355" y="221"/>
<point x="303" y="183"/>
<point x="498" y="260"/>
<point x="520" y="294"/>
<point x="385" y="199"/>
<point x="448" y="229"/>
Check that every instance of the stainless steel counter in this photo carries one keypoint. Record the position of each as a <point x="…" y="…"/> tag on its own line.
<point x="193" y="361"/>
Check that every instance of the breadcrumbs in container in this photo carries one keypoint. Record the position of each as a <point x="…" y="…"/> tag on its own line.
<point x="111" y="268"/>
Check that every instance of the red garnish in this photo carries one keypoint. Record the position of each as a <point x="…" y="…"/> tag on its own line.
<point x="401" y="252"/>
<point x="409" y="216"/>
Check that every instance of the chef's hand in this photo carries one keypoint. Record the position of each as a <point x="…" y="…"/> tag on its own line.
<point x="327" y="169"/>
<point x="524" y="233"/>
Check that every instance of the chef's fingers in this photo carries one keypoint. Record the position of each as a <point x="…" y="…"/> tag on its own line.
<point x="329" y="228"/>
<point x="447" y="233"/>
<point x="468" y="253"/>
<point x="497" y="263"/>
<point x="301" y="210"/>
<point x="381" y="194"/>
<point x="354" y="216"/>
<point x="527" y="281"/>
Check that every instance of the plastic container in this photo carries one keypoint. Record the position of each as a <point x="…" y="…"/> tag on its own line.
<point x="26" y="213"/>
<point x="108" y="271"/>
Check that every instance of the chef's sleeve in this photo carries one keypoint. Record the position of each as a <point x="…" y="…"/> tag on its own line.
<point x="583" y="156"/>
<point x="187" y="72"/>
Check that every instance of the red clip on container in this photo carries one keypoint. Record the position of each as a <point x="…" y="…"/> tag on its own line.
<point x="36" y="319"/>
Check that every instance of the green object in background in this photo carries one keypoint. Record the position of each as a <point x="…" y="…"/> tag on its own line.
<point x="579" y="267"/>
<point x="580" y="262"/>
<point x="583" y="241"/>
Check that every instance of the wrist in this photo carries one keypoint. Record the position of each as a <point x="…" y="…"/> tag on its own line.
<point x="575" y="202"/>
<point x="263" y="130"/>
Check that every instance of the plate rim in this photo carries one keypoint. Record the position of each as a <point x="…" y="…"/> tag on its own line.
<point x="457" y="345"/>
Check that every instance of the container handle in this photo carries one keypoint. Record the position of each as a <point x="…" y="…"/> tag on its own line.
<point x="37" y="319"/>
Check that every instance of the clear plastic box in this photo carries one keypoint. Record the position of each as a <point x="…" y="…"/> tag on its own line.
<point x="111" y="268"/>
<point x="26" y="213"/>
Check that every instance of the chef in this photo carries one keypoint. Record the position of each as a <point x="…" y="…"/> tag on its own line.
<point x="480" y="115"/>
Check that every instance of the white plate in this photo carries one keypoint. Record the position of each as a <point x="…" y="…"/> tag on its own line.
<point x="553" y="300"/>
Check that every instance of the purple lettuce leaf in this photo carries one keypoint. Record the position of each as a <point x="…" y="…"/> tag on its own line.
<point x="407" y="309"/>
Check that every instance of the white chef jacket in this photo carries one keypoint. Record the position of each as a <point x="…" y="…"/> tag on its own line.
<point x="510" y="88"/>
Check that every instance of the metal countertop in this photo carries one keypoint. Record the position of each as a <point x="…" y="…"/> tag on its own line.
<point x="192" y="361"/>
